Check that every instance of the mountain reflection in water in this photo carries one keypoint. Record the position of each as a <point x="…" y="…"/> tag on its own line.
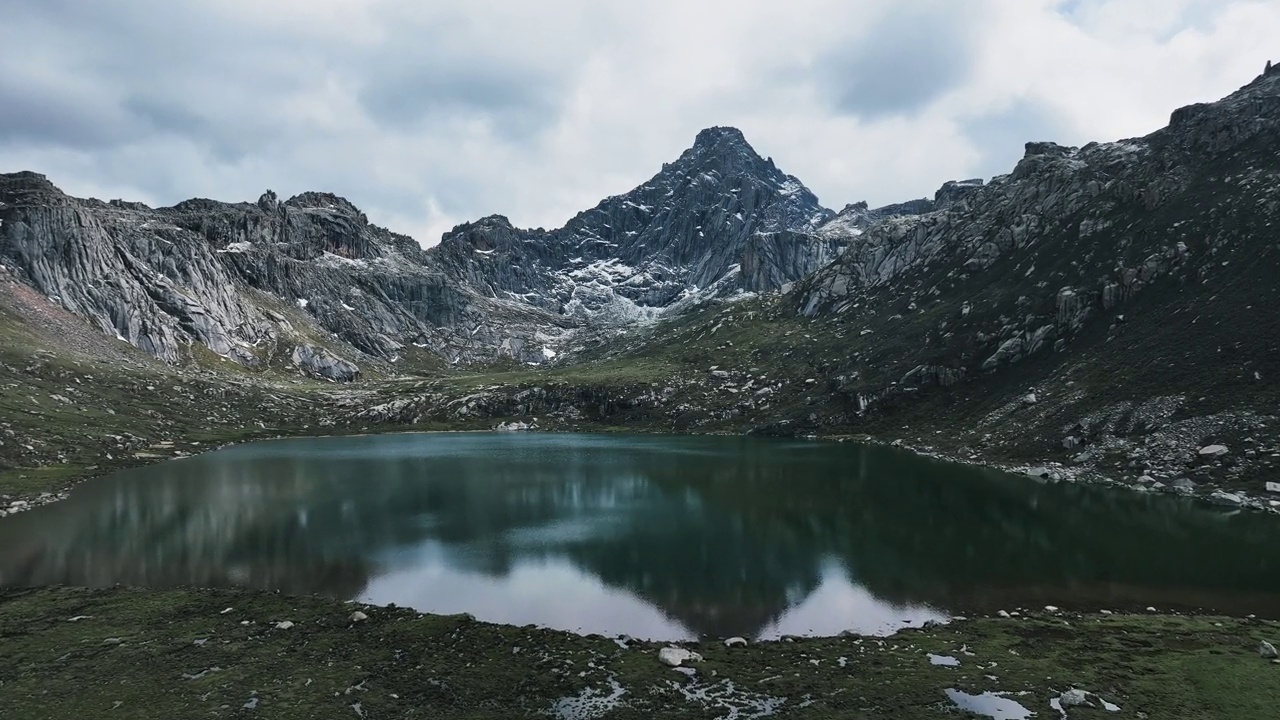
<point x="655" y="536"/>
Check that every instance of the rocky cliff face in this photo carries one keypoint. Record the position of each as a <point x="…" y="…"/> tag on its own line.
<point x="1110" y="300"/>
<point x="230" y="276"/>
<point x="1083" y="229"/>
<point x="683" y="235"/>
<point x="249" y="281"/>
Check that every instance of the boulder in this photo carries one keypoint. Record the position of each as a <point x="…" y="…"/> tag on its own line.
<point x="734" y="642"/>
<point x="1226" y="499"/>
<point x="1214" y="451"/>
<point x="1267" y="651"/>
<point x="319" y="362"/>
<point x="673" y="656"/>
<point x="1074" y="698"/>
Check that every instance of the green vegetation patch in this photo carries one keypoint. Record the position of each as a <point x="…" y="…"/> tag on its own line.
<point x="206" y="653"/>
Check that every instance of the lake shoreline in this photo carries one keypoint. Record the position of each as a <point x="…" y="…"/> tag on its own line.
<point x="1052" y="471"/>
<point x="179" y="653"/>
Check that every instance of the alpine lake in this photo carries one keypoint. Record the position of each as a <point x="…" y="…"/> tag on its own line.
<point x="657" y="537"/>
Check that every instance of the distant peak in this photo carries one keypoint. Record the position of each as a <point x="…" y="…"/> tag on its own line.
<point x="26" y="181"/>
<point x="715" y="135"/>
<point x="495" y="220"/>
<point x="322" y="201"/>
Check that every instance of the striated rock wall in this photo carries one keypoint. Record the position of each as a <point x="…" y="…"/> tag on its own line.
<point x="163" y="279"/>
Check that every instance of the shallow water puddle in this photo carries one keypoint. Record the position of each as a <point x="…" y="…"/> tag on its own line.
<point x="990" y="704"/>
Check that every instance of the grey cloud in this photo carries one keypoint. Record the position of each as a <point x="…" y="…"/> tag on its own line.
<point x="902" y="63"/>
<point x="422" y="75"/>
<point x="1001" y="136"/>
<point x="427" y="110"/>
<point x="60" y="117"/>
<point x="518" y="104"/>
<point x="181" y="74"/>
<point x="228" y="141"/>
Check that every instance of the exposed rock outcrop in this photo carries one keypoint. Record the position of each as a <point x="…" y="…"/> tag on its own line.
<point x="1071" y="235"/>
<point x="322" y="363"/>
<point x="216" y="274"/>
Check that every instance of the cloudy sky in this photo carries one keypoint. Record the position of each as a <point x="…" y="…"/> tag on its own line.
<point x="426" y="113"/>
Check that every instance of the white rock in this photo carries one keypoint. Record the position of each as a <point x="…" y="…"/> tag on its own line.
<point x="675" y="657"/>
<point x="284" y="625"/>
<point x="1004" y="614"/>
<point x="1267" y="651"/>
<point x="1073" y="698"/>
<point x="1227" y="499"/>
<point x="1273" y="487"/>
<point x="358" y="616"/>
<point x="735" y="642"/>
<point x="1146" y="480"/>
<point x="1213" y="451"/>
<point x="1051" y="608"/>
<point x="1030" y="399"/>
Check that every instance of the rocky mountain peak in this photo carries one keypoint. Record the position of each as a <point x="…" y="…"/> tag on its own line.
<point x="725" y="151"/>
<point x="719" y="136"/>
<point x="323" y="201"/>
<point x="718" y="221"/>
<point x="26" y="186"/>
<point x="269" y="202"/>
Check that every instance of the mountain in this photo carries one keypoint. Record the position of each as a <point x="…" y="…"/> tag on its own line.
<point x="677" y="238"/>
<point x="1073" y="237"/>
<point x="310" y="281"/>
<point x="1104" y="311"/>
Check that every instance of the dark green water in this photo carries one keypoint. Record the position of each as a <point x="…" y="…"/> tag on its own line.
<point x="662" y="537"/>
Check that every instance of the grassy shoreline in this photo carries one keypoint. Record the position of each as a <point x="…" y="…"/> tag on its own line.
<point x="69" y="652"/>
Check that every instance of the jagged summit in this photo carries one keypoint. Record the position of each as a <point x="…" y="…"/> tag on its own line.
<point x="717" y="221"/>
<point x="682" y="235"/>
<point x="725" y="150"/>
<point x="26" y="186"/>
<point x="712" y="136"/>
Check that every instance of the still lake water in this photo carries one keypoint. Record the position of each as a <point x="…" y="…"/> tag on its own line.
<point x="654" y="536"/>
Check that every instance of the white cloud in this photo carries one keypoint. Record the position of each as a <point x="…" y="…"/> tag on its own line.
<point x="430" y="113"/>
